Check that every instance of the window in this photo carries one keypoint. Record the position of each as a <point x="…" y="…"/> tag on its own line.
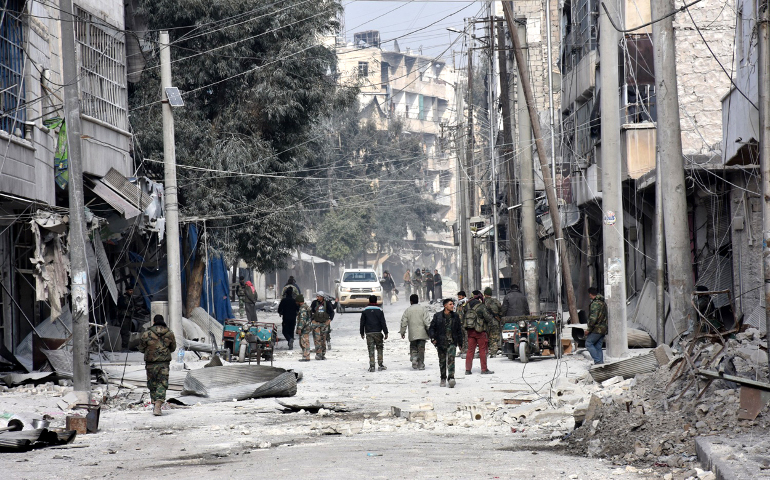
<point x="102" y="53"/>
<point x="640" y="104"/>
<point x="359" y="277"/>
<point x="12" y="106"/>
<point x="363" y="69"/>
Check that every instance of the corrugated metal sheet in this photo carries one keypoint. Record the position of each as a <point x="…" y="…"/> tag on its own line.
<point x="239" y="382"/>
<point x="104" y="268"/>
<point x="130" y="191"/>
<point x="756" y="319"/>
<point x="60" y="360"/>
<point x="114" y="200"/>
<point x="207" y="323"/>
<point x="136" y="375"/>
<point x="627" y="368"/>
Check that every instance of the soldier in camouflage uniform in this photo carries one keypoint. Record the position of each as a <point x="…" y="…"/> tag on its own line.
<point x="495" y="332"/>
<point x="476" y="321"/>
<point x="303" y="327"/>
<point x="446" y="333"/>
<point x="321" y="312"/>
<point x="462" y="302"/>
<point x="375" y="330"/>
<point x="597" y="325"/>
<point x="157" y="343"/>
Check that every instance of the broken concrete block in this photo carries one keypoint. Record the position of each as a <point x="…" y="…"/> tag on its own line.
<point x="612" y="381"/>
<point x="593" y="410"/>
<point x="525" y="411"/>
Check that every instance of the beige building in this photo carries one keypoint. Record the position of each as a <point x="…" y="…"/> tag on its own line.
<point x="417" y="89"/>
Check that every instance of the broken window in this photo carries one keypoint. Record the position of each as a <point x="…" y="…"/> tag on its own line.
<point x="363" y="69"/>
<point x="12" y="107"/>
<point x="640" y="103"/>
<point x="102" y="58"/>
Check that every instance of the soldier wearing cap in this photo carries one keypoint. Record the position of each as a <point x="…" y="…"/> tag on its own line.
<point x="322" y="313"/>
<point x="157" y="344"/>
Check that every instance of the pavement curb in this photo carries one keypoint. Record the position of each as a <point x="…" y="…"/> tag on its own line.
<point x="723" y="456"/>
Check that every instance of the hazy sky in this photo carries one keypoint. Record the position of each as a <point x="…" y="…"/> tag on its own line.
<point x="403" y="19"/>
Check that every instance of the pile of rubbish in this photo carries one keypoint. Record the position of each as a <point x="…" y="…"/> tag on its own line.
<point x="704" y="390"/>
<point x="23" y="434"/>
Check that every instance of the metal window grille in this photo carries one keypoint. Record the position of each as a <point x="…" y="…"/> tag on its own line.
<point x="12" y="106"/>
<point x="363" y="69"/>
<point x="102" y="56"/>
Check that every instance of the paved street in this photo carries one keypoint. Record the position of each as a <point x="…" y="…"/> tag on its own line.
<point x="251" y="438"/>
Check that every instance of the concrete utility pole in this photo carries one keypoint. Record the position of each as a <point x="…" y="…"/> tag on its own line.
<point x="507" y="157"/>
<point x="558" y="241"/>
<point x="171" y="206"/>
<point x="470" y="189"/>
<point x="763" y="68"/>
<point x="528" y="217"/>
<point x="550" y="191"/>
<point x="612" y="187"/>
<point x="81" y="362"/>
<point x="660" y="254"/>
<point x="492" y="85"/>
<point x="669" y="149"/>
<point x="462" y="196"/>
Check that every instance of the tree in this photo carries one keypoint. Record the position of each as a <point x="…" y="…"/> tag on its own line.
<point x="255" y="80"/>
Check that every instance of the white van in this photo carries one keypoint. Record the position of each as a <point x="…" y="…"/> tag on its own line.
<point x="355" y="286"/>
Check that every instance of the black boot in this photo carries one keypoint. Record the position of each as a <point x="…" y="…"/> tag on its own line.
<point x="291" y="344"/>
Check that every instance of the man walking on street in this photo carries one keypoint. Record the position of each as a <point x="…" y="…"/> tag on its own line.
<point x="438" y="292"/>
<point x="324" y="306"/>
<point x="446" y="333"/>
<point x="388" y="285"/>
<point x="515" y="303"/>
<point x="248" y="294"/>
<point x="287" y="309"/>
<point x="157" y="344"/>
<point x="304" y="327"/>
<point x="597" y="325"/>
<point x="320" y="312"/>
<point x="430" y="294"/>
<point x="417" y="283"/>
<point x="477" y="321"/>
<point x="375" y="330"/>
<point x="495" y="329"/>
<point x="408" y="284"/>
<point x="291" y="286"/>
<point x="416" y="319"/>
<point x="462" y="304"/>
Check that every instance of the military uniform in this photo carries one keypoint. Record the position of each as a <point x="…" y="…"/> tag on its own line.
<point x="597" y="328"/>
<point x="290" y="287"/>
<point x="476" y="321"/>
<point x="445" y="333"/>
<point x="495" y="329"/>
<point x="157" y="344"/>
<point x="320" y="325"/>
<point x="303" y="330"/>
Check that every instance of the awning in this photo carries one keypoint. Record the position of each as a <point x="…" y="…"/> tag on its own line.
<point x="121" y="205"/>
<point x="311" y="258"/>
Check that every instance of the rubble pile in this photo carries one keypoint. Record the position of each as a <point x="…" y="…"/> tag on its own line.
<point x="656" y="421"/>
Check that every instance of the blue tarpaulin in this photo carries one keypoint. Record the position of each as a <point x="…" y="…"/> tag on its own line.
<point x="155" y="280"/>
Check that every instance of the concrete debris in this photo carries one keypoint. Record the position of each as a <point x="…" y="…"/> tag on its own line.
<point x="315" y="407"/>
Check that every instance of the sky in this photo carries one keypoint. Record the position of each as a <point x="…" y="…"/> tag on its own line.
<point x="411" y="21"/>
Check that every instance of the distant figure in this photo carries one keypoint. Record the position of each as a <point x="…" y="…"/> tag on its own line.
<point x="460" y="308"/>
<point x="388" y="285"/>
<point x="287" y="309"/>
<point x="446" y="333"/>
<point x="291" y="285"/>
<point x="248" y="294"/>
<point x="126" y="314"/>
<point x="429" y="284"/>
<point x="373" y="327"/>
<point x="157" y="344"/>
<point x="476" y="321"/>
<point x="438" y="291"/>
<point x="408" y="284"/>
<point x="515" y="303"/>
<point x="597" y="325"/>
<point x="417" y="283"/>
<point x="304" y="327"/>
<point x="416" y="319"/>
<point x="495" y="330"/>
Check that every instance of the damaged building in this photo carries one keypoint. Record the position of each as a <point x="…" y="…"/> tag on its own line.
<point x="121" y="211"/>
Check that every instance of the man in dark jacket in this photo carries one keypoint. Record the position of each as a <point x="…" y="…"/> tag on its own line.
<point x="446" y="333"/>
<point x="287" y="309"/>
<point x="322" y="312"/>
<point x="597" y="325"/>
<point x="437" y="290"/>
<point x="157" y="344"/>
<point x="515" y="303"/>
<point x="388" y="285"/>
<point x="291" y="286"/>
<point x="430" y="294"/>
<point x="373" y="327"/>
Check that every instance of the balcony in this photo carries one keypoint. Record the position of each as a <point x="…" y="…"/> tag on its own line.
<point x="412" y="84"/>
<point x="578" y="85"/>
